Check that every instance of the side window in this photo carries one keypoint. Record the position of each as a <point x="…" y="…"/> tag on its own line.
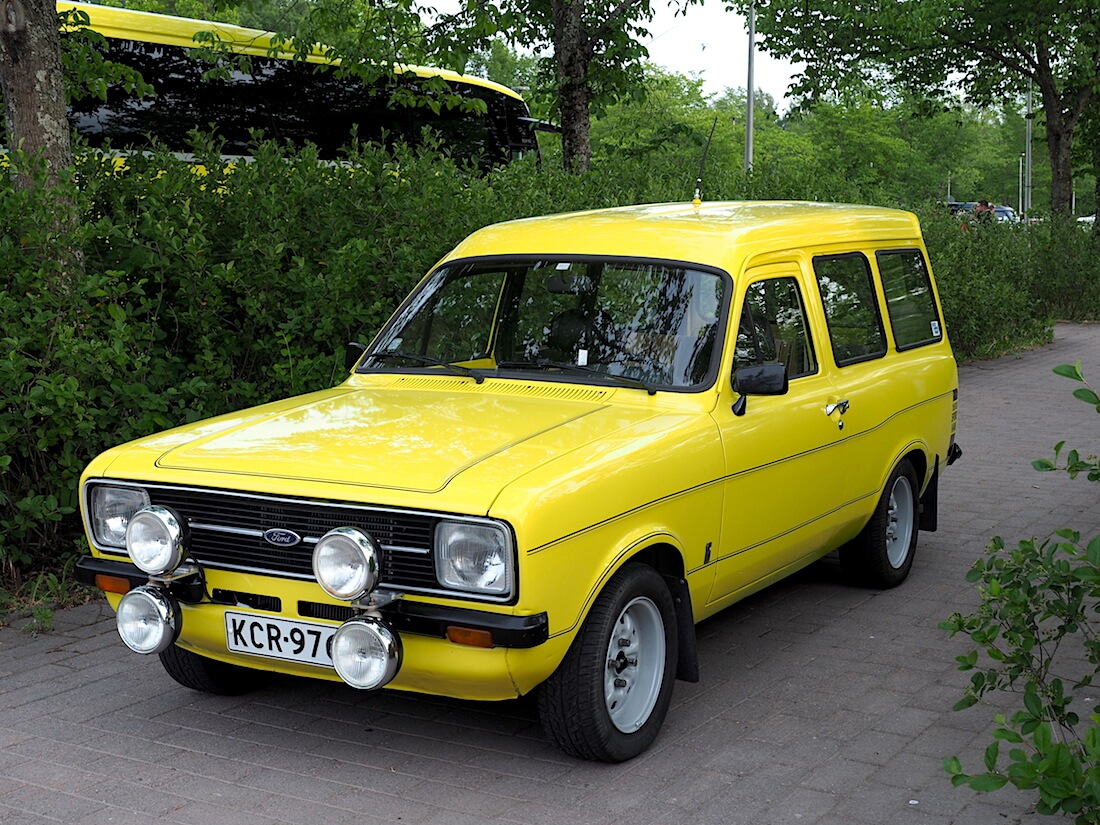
<point x="460" y="321"/>
<point x="910" y="302"/>
<point x="773" y="328"/>
<point x="851" y="308"/>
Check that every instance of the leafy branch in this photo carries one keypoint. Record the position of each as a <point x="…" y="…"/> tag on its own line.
<point x="1074" y="463"/>
<point x="1035" y="637"/>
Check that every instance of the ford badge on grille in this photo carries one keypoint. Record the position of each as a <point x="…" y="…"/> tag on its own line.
<point x="281" y="538"/>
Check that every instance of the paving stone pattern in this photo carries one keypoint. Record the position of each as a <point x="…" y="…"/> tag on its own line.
<point x="819" y="703"/>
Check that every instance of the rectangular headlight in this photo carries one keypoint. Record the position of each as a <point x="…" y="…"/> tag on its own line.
<point x="109" y="512"/>
<point x="477" y="558"/>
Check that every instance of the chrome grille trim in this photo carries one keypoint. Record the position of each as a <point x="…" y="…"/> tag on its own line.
<point x="198" y="525"/>
<point x="218" y="528"/>
<point x="227" y="530"/>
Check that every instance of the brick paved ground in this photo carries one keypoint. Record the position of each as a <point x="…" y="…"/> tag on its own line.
<point x="818" y="703"/>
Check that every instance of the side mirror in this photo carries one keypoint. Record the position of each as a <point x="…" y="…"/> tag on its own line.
<point x="760" y="379"/>
<point x="352" y="354"/>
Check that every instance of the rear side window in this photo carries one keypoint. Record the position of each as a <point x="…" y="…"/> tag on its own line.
<point x="910" y="302"/>
<point x="851" y="307"/>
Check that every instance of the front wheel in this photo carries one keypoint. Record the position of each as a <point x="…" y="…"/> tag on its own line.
<point x="611" y="692"/>
<point x="882" y="554"/>
<point x="208" y="675"/>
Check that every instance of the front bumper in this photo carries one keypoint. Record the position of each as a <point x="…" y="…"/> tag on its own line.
<point x="405" y="616"/>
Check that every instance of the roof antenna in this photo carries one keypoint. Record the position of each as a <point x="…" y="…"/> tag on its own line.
<point x="698" y="199"/>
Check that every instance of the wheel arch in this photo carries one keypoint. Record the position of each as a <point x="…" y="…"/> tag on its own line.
<point x="667" y="560"/>
<point x="928" y="494"/>
<point x="919" y="459"/>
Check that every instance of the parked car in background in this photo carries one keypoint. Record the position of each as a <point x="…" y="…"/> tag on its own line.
<point x="579" y="436"/>
<point x="286" y="97"/>
<point x="1001" y="214"/>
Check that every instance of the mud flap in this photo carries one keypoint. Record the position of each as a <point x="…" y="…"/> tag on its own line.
<point x="687" y="664"/>
<point x="930" y="503"/>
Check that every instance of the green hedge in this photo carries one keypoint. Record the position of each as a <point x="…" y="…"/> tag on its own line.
<point x="1003" y="285"/>
<point x="203" y="293"/>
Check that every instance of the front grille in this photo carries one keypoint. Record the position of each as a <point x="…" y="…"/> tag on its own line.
<point x="227" y="532"/>
<point x="332" y="612"/>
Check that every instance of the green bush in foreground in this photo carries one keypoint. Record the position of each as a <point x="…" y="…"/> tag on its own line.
<point x="1037" y="626"/>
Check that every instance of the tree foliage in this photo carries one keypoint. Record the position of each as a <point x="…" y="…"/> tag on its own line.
<point x="590" y="52"/>
<point x="988" y="50"/>
<point x="197" y="9"/>
<point x="596" y="55"/>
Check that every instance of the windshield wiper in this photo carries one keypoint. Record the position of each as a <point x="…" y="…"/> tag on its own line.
<point x="546" y="364"/>
<point x="477" y="375"/>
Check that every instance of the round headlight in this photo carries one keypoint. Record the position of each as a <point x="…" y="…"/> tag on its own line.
<point x="366" y="653"/>
<point x="345" y="562"/>
<point x="155" y="540"/>
<point x="147" y="620"/>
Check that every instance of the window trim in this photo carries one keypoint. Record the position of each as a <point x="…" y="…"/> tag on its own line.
<point x="795" y="275"/>
<point x="931" y="291"/>
<point x="876" y="291"/>
<point x="526" y="259"/>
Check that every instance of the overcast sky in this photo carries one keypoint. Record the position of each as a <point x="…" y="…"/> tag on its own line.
<point x="712" y="42"/>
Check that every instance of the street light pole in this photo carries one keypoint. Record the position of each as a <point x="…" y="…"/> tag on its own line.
<point x="750" y="102"/>
<point x="1027" y="155"/>
<point x="1020" y="187"/>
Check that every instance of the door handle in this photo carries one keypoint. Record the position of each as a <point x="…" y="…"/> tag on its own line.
<point x="841" y="405"/>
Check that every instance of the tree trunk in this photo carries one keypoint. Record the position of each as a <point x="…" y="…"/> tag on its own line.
<point x="1059" y="143"/>
<point x="572" y="56"/>
<point x="1063" y="112"/>
<point x="32" y="84"/>
<point x="1061" y="122"/>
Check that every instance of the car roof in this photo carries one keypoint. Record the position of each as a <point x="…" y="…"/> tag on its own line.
<point x="169" y="30"/>
<point x="705" y="233"/>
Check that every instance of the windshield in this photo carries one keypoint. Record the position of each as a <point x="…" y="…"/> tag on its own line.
<point x="635" y="323"/>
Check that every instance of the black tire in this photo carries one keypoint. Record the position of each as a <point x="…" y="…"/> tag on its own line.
<point x="610" y="694"/>
<point x="881" y="556"/>
<point x="208" y="675"/>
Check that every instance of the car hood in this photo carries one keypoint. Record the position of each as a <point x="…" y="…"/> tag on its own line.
<point x="411" y="439"/>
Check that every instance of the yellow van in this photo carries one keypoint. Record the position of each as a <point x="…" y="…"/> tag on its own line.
<point x="578" y="437"/>
<point x="287" y="99"/>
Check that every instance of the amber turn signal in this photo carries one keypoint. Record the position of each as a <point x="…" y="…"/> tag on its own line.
<point x="112" y="584"/>
<point x="470" y="637"/>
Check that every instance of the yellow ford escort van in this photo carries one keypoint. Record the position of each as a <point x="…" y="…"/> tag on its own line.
<point x="578" y="437"/>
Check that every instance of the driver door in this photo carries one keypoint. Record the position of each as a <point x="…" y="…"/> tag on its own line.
<point x="785" y="477"/>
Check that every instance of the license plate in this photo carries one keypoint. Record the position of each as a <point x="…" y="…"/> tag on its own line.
<point x="279" y="638"/>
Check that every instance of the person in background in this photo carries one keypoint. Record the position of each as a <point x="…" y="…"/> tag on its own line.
<point x="984" y="212"/>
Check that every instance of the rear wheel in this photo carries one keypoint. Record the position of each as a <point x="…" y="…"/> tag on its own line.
<point x="882" y="554"/>
<point x="609" y="696"/>
<point x="208" y="675"/>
